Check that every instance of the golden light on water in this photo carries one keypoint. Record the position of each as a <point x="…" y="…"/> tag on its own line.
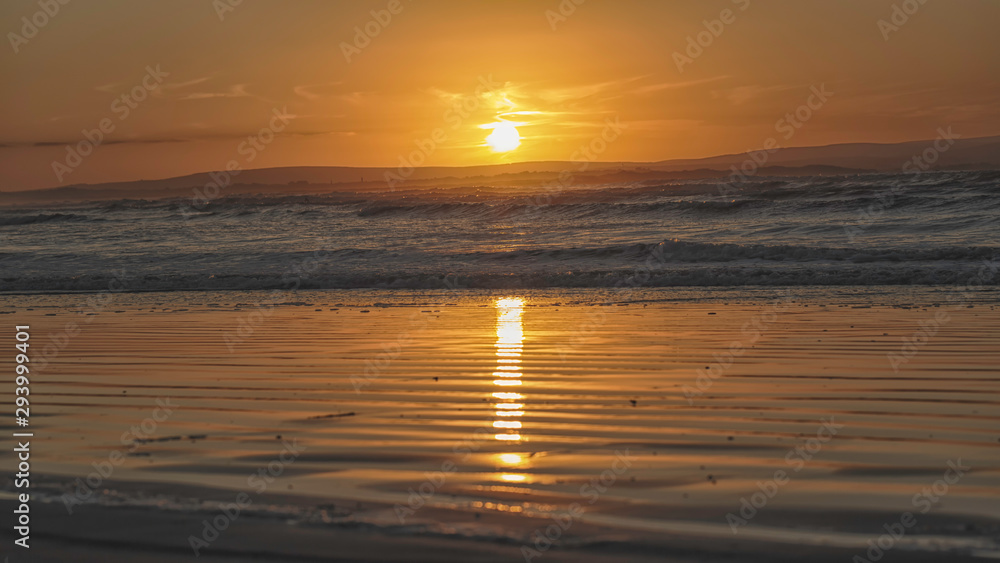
<point x="511" y="459"/>
<point x="507" y="382"/>
<point x="509" y="407"/>
<point x="509" y="344"/>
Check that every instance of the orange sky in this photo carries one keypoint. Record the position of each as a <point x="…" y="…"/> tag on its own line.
<point x="282" y="63"/>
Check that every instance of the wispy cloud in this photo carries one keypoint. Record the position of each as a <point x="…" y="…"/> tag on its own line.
<point x="743" y="94"/>
<point x="235" y="91"/>
<point x="584" y="91"/>
<point x="110" y="88"/>
<point x="664" y="86"/>
<point x="185" y="84"/>
<point x="313" y="92"/>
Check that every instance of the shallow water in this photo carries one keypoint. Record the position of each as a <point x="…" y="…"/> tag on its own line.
<point x="666" y="413"/>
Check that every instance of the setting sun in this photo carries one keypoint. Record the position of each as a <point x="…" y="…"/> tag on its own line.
<point x="504" y="137"/>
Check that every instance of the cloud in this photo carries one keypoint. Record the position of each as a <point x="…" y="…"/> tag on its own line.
<point x="235" y="91"/>
<point x="663" y="86"/>
<point x="178" y="85"/>
<point x="106" y="142"/>
<point x="118" y="87"/>
<point x="584" y="91"/>
<point x="110" y="88"/>
<point x="444" y="95"/>
<point x="355" y="98"/>
<point x="743" y="94"/>
<point x="314" y="92"/>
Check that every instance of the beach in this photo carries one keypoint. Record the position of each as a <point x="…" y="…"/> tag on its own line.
<point x="294" y="281"/>
<point x="759" y="424"/>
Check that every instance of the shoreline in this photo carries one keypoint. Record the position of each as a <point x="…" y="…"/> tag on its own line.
<point x="913" y="295"/>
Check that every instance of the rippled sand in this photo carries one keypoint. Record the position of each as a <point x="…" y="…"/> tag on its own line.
<point x="437" y="426"/>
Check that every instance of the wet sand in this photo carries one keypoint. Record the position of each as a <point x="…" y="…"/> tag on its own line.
<point x="393" y="426"/>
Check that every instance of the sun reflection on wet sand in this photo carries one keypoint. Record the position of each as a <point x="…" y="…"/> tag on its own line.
<point x="509" y="405"/>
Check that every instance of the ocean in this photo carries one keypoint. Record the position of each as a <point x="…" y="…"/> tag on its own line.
<point x="787" y="362"/>
<point x="932" y="228"/>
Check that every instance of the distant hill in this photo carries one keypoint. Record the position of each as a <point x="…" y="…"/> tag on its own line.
<point x="975" y="153"/>
<point x="851" y="158"/>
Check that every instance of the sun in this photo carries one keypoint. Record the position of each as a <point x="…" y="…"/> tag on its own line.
<point x="504" y="137"/>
